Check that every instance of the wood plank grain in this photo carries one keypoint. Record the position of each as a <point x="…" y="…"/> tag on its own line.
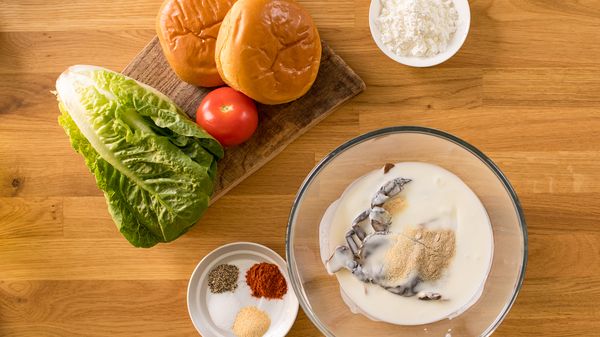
<point x="572" y="172"/>
<point x="279" y="124"/>
<point x="537" y="129"/>
<point x="62" y="308"/>
<point x="542" y="87"/>
<point x="523" y="89"/>
<point x="57" y="15"/>
<point x="23" y="15"/>
<point x="139" y="328"/>
<point x="554" y="213"/>
<point x="31" y="217"/>
<point x="216" y="225"/>
<point x="54" y="51"/>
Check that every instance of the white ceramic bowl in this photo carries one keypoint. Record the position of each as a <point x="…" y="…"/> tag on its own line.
<point x="462" y="30"/>
<point x="242" y="254"/>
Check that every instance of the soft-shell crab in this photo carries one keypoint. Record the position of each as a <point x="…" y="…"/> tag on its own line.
<point x="357" y="255"/>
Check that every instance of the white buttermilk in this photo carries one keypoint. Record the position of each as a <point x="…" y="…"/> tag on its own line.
<point x="435" y="198"/>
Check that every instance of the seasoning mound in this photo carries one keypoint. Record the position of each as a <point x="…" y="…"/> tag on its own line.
<point x="418" y="250"/>
<point x="265" y="280"/>
<point x="223" y="278"/>
<point x="251" y="322"/>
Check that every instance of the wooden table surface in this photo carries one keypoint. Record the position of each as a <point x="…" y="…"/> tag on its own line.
<point x="525" y="89"/>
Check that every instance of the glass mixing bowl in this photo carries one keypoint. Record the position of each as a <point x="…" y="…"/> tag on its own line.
<point x="319" y="292"/>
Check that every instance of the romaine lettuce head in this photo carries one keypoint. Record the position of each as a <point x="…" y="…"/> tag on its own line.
<point x="155" y="166"/>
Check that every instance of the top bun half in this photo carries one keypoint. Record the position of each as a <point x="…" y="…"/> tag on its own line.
<point x="187" y="31"/>
<point x="268" y="49"/>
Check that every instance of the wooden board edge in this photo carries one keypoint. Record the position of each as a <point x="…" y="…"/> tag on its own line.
<point x="290" y="140"/>
<point x="147" y="47"/>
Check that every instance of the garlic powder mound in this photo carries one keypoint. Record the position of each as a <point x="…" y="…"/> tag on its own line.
<point x="251" y="322"/>
<point x="421" y="28"/>
<point x="421" y="252"/>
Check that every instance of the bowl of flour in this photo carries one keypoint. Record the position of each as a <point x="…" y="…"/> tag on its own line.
<point x="419" y="33"/>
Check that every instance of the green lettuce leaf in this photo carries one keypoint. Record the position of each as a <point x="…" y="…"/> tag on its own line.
<point x="155" y="166"/>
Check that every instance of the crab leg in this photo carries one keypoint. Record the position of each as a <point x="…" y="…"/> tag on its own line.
<point x="341" y="258"/>
<point x="360" y="233"/>
<point x="344" y="256"/>
<point x="354" y="241"/>
<point x="407" y="289"/>
<point x="359" y="274"/>
<point x="380" y="218"/>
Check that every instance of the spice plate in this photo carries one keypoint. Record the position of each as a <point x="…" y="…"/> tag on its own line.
<point x="214" y="314"/>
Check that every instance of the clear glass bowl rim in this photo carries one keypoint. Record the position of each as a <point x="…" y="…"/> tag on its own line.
<point x="381" y="132"/>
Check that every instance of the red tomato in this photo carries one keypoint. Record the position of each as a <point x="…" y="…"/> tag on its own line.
<point x="228" y="115"/>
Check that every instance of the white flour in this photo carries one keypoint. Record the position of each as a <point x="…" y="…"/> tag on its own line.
<point x="421" y="28"/>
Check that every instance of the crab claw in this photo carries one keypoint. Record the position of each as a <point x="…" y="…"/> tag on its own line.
<point x="341" y="258"/>
<point x="429" y="296"/>
<point x="389" y="190"/>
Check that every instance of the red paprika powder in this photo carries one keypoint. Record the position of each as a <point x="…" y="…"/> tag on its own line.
<point x="265" y="280"/>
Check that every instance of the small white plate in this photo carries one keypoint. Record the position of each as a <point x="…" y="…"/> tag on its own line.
<point x="218" y="323"/>
<point x="462" y="30"/>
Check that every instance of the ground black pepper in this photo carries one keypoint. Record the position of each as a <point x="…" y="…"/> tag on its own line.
<point x="223" y="278"/>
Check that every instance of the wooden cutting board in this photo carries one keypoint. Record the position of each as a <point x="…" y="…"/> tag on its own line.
<point x="279" y="125"/>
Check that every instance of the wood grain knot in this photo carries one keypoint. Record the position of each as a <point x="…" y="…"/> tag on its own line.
<point x="53" y="209"/>
<point x="16" y="183"/>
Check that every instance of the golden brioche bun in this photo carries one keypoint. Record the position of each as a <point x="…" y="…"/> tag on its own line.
<point x="268" y="49"/>
<point x="187" y="31"/>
